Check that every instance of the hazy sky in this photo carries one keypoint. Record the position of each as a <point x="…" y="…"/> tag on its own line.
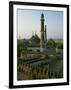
<point x="28" y="23"/>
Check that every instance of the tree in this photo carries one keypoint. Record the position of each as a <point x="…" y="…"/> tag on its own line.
<point x="51" y="42"/>
<point x="60" y="45"/>
<point x="18" y="50"/>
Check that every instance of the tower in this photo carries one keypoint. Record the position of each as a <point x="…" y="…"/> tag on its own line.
<point x="42" y="38"/>
<point x="45" y="37"/>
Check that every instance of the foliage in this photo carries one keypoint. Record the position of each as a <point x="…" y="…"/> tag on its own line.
<point x="18" y="50"/>
<point x="60" y="45"/>
<point x="51" y="42"/>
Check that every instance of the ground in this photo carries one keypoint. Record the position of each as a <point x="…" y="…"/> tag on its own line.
<point x="37" y="65"/>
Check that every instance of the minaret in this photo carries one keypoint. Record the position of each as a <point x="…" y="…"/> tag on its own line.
<point x="45" y="37"/>
<point x="42" y="38"/>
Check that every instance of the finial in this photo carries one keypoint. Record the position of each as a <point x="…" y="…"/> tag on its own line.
<point x="42" y="15"/>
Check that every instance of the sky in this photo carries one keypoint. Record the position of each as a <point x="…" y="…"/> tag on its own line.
<point x="28" y="23"/>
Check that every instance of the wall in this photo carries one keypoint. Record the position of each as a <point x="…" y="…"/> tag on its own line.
<point x="4" y="46"/>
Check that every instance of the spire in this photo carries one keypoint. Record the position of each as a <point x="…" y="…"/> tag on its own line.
<point x="45" y="33"/>
<point x="45" y="36"/>
<point x="42" y="15"/>
<point x="42" y="39"/>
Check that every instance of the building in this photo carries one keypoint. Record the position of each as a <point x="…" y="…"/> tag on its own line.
<point x="37" y="45"/>
<point x="43" y="38"/>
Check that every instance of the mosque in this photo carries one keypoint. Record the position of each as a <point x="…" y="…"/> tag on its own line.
<point x="43" y="38"/>
<point x="38" y="44"/>
<point x="40" y="56"/>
